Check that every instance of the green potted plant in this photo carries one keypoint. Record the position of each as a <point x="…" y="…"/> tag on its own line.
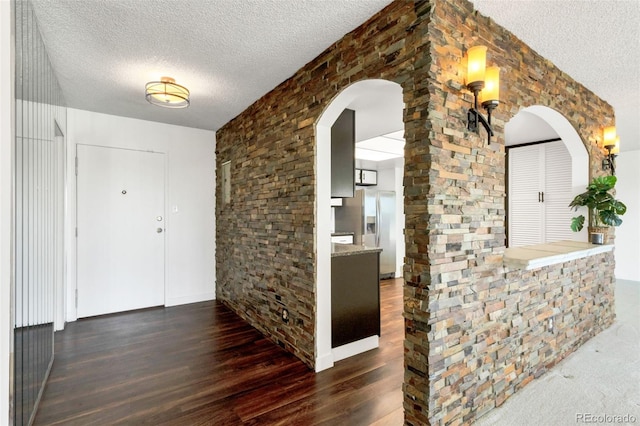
<point x="604" y="209"/>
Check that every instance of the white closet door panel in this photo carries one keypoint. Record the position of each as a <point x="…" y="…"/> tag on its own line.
<point x="525" y="172"/>
<point x="557" y="192"/>
<point x="525" y="224"/>
<point x="525" y="209"/>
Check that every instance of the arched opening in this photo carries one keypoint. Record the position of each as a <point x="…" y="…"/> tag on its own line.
<point x="534" y="128"/>
<point x="379" y="107"/>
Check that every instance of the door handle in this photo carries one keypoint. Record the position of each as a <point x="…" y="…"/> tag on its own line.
<point x="159" y="230"/>
<point x="378" y="219"/>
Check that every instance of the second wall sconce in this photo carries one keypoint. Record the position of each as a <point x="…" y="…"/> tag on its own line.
<point x="485" y="84"/>
<point x="611" y="143"/>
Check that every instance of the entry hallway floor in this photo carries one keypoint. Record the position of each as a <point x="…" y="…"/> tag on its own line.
<point x="202" y="365"/>
<point x="599" y="381"/>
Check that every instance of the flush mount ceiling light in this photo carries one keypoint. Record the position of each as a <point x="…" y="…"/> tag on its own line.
<point x="484" y="83"/>
<point x="166" y="93"/>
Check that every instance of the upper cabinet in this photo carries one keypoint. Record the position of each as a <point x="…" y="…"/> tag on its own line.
<point x="343" y="146"/>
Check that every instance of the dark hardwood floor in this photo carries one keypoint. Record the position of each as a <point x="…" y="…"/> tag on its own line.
<point x="200" y="364"/>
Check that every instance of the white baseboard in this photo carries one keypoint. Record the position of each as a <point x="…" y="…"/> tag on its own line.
<point x="192" y="298"/>
<point x="355" y="348"/>
<point x="324" y="362"/>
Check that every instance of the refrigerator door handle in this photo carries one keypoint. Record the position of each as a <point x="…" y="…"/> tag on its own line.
<point x="378" y="218"/>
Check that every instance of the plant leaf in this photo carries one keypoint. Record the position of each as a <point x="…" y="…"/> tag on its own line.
<point x="619" y="207"/>
<point x="610" y="218"/>
<point x="577" y="223"/>
<point x="580" y="200"/>
<point x="602" y="183"/>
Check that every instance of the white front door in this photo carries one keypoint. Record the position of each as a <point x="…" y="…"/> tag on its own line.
<point x="120" y="230"/>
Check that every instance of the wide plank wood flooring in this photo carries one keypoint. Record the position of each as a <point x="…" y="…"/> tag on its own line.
<point x="200" y="364"/>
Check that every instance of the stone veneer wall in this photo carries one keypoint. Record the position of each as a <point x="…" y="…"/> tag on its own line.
<point x="475" y="332"/>
<point x="265" y="237"/>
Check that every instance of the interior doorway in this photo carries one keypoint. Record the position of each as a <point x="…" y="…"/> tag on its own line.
<point x="120" y="230"/>
<point x="379" y="111"/>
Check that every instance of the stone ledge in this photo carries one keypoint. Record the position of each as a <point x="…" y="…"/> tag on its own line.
<point x="537" y="256"/>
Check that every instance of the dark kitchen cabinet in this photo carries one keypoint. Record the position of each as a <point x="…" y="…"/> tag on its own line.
<point x="355" y="297"/>
<point x="343" y="146"/>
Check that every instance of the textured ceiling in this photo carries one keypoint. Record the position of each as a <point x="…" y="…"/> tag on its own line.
<point x="228" y="53"/>
<point x="231" y="52"/>
<point x="595" y="42"/>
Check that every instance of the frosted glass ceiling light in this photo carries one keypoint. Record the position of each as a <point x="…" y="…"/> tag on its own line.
<point x="166" y="93"/>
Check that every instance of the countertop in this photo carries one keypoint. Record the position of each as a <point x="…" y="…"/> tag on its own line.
<point x="351" y="249"/>
<point x="537" y="256"/>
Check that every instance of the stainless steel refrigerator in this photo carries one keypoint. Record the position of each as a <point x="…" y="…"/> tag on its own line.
<point x="371" y="216"/>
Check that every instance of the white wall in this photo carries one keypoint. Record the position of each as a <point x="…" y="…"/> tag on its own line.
<point x="6" y="164"/>
<point x="627" y="250"/>
<point x="190" y="197"/>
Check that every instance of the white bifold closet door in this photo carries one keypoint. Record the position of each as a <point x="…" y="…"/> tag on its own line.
<point x="539" y="194"/>
<point x="121" y="228"/>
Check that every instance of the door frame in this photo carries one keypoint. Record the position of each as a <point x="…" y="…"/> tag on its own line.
<point x="324" y="356"/>
<point x="60" y="291"/>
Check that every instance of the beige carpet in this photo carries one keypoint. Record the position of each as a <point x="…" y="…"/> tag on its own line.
<point x="599" y="384"/>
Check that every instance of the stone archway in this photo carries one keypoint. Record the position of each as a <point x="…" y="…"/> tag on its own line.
<point x="558" y="124"/>
<point x="538" y="123"/>
<point x="324" y="355"/>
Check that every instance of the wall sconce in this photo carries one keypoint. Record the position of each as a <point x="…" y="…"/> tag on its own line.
<point x="484" y="83"/>
<point x="611" y="143"/>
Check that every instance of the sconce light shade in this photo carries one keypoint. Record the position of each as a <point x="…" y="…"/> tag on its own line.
<point x="483" y="83"/>
<point x="609" y="136"/>
<point x="490" y="95"/>
<point x="476" y="67"/>
<point x="611" y="143"/>
<point x="616" y="148"/>
<point x="166" y="93"/>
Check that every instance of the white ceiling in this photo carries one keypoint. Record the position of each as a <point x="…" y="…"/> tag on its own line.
<point x="228" y="53"/>
<point x="526" y="127"/>
<point x="231" y="52"/>
<point x="380" y="148"/>
<point x="597" y="42"/>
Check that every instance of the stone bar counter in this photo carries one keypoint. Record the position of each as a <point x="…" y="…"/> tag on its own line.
<point x="550" y="300"/>
<point x="539" y="255"/>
